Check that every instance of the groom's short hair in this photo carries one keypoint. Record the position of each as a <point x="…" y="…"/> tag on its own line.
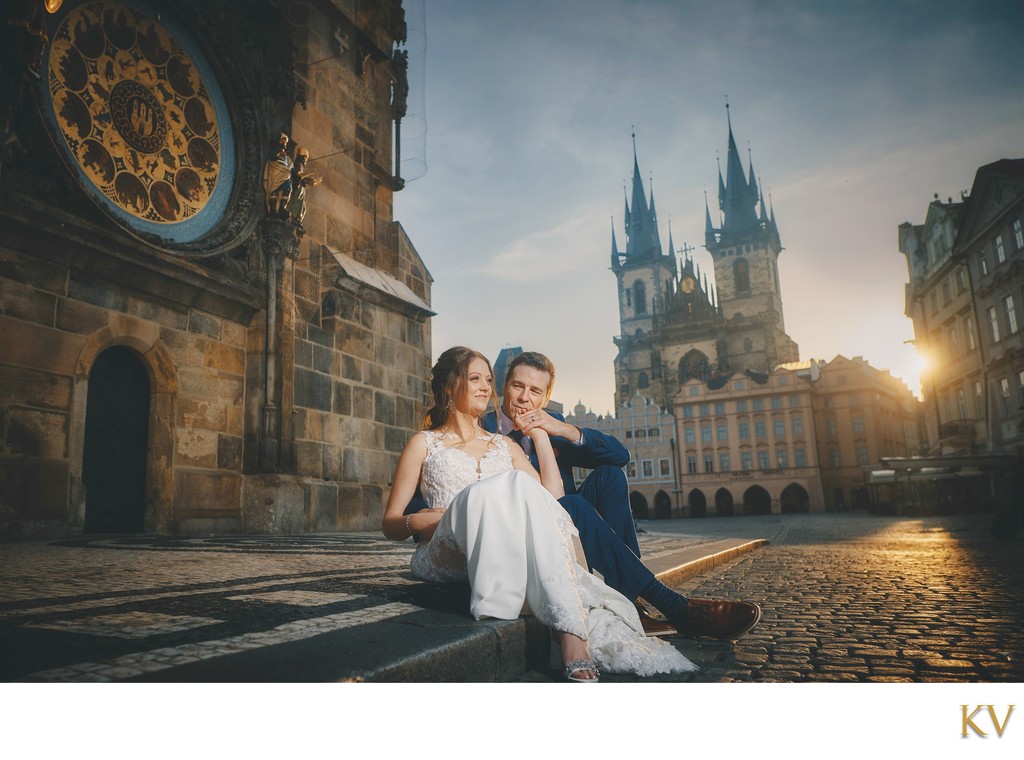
<point x="534" y="359"/>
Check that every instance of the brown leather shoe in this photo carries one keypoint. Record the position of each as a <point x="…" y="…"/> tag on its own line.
<point x="654" y="626"/>
<point x="719" y="619"/>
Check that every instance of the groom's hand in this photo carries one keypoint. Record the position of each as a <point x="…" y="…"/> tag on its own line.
<point x="539" y="419"/>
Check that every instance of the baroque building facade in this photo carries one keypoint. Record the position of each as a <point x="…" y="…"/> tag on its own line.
<point x="965" y="296"/>
<point x="209" y="319"/>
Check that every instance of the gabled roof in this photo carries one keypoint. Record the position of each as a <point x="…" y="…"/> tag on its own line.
<point x="997" y="188"/>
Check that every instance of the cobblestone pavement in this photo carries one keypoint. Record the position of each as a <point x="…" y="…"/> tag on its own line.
<point x="869" y="599"/>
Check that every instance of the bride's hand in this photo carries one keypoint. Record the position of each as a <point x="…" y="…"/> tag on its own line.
<point x="425" y="522"/>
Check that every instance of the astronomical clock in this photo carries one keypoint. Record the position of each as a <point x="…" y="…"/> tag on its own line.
<point x="142" y="121"/>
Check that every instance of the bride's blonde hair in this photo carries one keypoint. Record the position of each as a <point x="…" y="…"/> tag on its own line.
<point x="448" y="380"/>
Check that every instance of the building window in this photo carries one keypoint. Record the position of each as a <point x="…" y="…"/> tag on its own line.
<point x="705" y="410"/>
<point x="695" y="390"/>
<point x="629" y="435"/>
<point x="954" y="342"/>
<point x="833" y="456"/>
<point x="800" y="455"/>
<point x="776" y="402"/>
<point x="961" y="398"/>
<point x="969" y="332"/>
<point x="688" y="412"/>
<point x="722" y="431"/>
<point x="720" y="408"/>
<point x="642" y="382"/>
<point x="654" y="432"/>
<point x="935" y="302"/>
<point x="758" y="404"/>
<point x="1018" y="235"/>
<point x="705" y="433"/>
<point x="689" y="435"/>
<point x="979" y="406"/>
<point x="1011" y="314"/>
<point x="762" y="460"/>
<point x="739" y="385"/>
<point x="744" y="429"/>
<point x="640" y="434"/>
<point x="1004" y="396"/>
<point x="723" y="463"/>
<point x="691" y="464"/>
<point x="858" y="424"/>
<point x="1000" y="251"/>
<point x="741" y="274"/>
<point x="782" y="457"/>
<point x="1020" y="387"/>
<point x="862" y="455"/>
<point x="947" y="292"/>
<point x="647" y="468"/>
<point x="779" y="427"/>
<point x="961" y="280"/>
<point x="629" y="296"/>
<point x="631" y="470"/>
<point x="709" y="463"/>
<point x="746" y="461"/>
<point x="664" y="468"/>
<point x="830" y="427"/>
<point x="794" y="401"/>
<point x="783" y="380"/>
<point x="798" y="425"/>
<point x="741" y="406"/>
<point x="983" y="262"/>
<point x="640" y="297"/>
<point x="759" y="429"/>
<point x="993" y="321"/>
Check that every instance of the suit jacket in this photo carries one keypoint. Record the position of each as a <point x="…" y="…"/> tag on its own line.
<point x="597" y="449"/>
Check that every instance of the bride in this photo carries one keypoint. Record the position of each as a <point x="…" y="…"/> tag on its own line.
<point x="494" y="522"/>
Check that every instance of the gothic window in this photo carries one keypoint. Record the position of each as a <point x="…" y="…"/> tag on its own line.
<point x="642" y="382"/>
<point x="741" y="273"/>
<point x="639" y="297"/>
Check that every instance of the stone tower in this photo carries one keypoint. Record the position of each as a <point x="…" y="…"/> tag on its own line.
<point x="745" y="250"/>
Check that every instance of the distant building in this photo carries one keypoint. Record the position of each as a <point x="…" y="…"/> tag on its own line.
<point x="861" y="414"/>
<point x="940" y="302"/>
<point x="673" y="326"/>
<point x="991" y="243"/>
<point x="648" y="432"/>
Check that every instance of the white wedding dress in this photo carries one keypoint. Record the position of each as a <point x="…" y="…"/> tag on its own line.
<point x="504" y="533"/>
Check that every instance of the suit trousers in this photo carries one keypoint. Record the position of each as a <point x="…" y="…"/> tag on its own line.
<point x="606" y="488"/>
<point x="606" y="552"/>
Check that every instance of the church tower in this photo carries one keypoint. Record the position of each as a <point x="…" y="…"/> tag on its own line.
<point x="663" y="306"/>
<point x="745" y="249"/>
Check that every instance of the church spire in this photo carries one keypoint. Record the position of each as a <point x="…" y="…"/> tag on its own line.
<point x="709" y="230"/>
<point x="740" y="214"/>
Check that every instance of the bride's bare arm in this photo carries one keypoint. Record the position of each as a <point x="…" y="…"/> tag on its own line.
<point x="395" y="525"/>
<point x="550" y="477"/>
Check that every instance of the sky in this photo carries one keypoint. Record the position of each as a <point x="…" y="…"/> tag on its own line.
<point x="855" y="114"/>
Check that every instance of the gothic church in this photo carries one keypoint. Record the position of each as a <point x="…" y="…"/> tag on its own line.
<point x="673" y="325"/>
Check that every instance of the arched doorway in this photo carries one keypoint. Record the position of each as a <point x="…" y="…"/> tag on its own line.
<point x="116" y="437"/>
<point x="723" y="502"/>
<point x="698" y="503"/>
<point x="757" y="501"/>
<point x="860" y="497"/>
<point x="662" y="506"/>
<point x="638" y="506"/>
<point x="795" y="499"/>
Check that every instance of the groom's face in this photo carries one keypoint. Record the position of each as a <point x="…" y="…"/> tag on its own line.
<point x="526" y="390"/>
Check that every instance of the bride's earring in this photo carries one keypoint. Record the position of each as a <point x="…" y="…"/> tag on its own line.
<point x="448" y="405"/>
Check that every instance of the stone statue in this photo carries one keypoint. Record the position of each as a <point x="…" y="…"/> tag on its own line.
<point x="300" y="180"/>
<point x="277" y="179"/>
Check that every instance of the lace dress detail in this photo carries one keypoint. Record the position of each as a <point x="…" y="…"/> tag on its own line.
<point x="506" y="535"/>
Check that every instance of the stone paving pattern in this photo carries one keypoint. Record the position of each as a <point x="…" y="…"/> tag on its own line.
<point x="845" y="597"/>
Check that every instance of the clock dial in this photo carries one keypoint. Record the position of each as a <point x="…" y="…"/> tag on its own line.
<point x="140" y="118"/>
<point x="687" y="285"/>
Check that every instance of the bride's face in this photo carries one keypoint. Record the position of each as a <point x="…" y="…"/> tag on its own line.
<point x="477" y="393"/>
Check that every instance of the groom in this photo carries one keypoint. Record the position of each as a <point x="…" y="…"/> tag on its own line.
<point x="600" y="508"/>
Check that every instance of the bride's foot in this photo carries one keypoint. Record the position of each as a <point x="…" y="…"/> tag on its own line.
<point x="576" y="660"/>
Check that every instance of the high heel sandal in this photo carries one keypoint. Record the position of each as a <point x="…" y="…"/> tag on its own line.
<point x="579" y="666"/>
<point x="570" y="669"/>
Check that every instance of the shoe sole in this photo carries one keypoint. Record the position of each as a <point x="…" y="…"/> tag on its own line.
<point x="750" y="627"/>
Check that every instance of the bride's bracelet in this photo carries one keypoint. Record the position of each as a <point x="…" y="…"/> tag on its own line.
<point x="412" y="534"/>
